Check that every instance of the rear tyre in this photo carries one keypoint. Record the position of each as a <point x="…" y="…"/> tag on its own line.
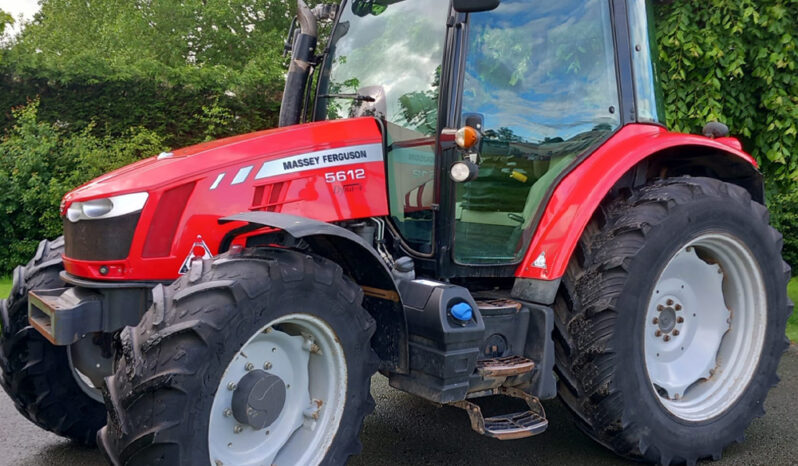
<point x="670" y="324"/>
<point x="38" y="376"/>
<point x="264" y="358"/>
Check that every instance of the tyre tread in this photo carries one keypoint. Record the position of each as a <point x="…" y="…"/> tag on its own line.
<point x="585" y="307"/>
<point x="153" y="372"/>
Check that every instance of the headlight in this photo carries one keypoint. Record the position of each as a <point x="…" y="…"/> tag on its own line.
<point x="108" y="207"/>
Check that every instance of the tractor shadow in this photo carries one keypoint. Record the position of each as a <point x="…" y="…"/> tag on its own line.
<point x="405" y="429"/>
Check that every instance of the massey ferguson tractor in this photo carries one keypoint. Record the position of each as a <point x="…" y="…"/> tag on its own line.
<point x="471" y="197"/>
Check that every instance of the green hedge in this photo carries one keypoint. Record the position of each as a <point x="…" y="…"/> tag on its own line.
<point x="184" y="108"/>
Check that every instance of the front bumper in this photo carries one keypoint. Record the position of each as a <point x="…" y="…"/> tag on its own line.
<point x="65" y="315"/>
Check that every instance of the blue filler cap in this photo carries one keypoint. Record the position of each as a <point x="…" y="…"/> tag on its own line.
<point x="462" y="312"/>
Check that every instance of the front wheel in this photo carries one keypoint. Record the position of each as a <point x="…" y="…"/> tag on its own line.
<point x="670" y="324"/>
<point x="263" y="359"/>
<point x="39" y="377"/>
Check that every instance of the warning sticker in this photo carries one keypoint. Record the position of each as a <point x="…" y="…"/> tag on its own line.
<point x="199" y="250"/>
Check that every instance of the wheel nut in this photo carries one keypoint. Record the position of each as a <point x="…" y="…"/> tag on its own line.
<point x="660" y="308"/>
<point x="237" y="429"/>
<point x="678" y="307"/>
<point x="267" y="365"/>
<point x="231" y="386"/>
<point x="667" y="338"/>
<point x="656" y="321"/>
<point x="675" y="333"/>
<point x="658" y="333"/>
<point x="680" y="320"/>
<point x="249" y="366"/>
<point x="228" y="412"/>
<point x="669" y="302"/>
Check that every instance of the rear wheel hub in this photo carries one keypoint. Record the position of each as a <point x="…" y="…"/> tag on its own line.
<point x="699" y="354"/>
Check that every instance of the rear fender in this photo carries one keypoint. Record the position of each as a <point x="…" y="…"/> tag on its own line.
<point x="634" y="155"/>
<point x="358" y="259"/>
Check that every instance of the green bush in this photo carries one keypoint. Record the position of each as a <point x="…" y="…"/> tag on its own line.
<point x="784" y="217"/>
<point x="40" y="162"/>
<point x="735" y="61"/>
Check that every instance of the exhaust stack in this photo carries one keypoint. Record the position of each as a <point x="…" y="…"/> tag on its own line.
<point x="299" y="70"/>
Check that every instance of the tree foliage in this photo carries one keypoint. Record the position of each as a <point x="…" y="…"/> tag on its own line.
<point x="735" y="61"/>
<point x="5" y="20"/>
<point x="162" y="65"/>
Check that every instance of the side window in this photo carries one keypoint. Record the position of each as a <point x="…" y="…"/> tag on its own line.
<point x="542" y="77"/>
<point x="648" y="95"/>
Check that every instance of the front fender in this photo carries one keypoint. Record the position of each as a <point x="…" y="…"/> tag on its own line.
<point x="359" y="260"/>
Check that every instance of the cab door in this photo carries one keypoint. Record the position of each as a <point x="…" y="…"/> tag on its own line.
<point x="542" y="77"/>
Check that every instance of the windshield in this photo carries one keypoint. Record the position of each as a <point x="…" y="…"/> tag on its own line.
<point x="385" y="61"/>
<point x="391" y="51"/>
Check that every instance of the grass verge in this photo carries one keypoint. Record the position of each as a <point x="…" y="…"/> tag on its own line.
<point x="5" y="287"/>
<point x="792" y="324"/>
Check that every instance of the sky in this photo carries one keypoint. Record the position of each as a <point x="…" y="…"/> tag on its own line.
<point x="26" y="8"/>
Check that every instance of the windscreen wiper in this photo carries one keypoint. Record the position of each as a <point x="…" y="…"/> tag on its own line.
<point x="356" y="97"/>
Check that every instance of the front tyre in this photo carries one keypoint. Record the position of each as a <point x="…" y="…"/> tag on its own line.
<point x="670" y="324"/>
<point x="38" y="376"/>
<point x="263" y="359"/>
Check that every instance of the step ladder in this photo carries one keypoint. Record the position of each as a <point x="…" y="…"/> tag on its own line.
<point x="508" y="426"/>
<point x="504" y="367"/>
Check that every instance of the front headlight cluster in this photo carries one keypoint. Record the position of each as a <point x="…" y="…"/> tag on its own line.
<point x="108" y="207"/>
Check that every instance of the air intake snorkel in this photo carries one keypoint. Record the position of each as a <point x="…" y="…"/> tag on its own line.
<point x="302" y="57"/>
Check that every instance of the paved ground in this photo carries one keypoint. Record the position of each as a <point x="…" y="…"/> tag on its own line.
<point x="406" y="430"/>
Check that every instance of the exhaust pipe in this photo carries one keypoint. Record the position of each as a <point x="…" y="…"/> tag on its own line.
<point x="298" y="71"/>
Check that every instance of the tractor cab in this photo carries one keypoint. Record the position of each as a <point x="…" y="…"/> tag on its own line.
<point x="543" y="85"/>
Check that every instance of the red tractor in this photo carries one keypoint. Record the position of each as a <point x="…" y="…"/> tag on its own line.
<point x="475" y="198"/>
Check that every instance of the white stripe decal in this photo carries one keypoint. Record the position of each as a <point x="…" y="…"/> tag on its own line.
<point x="322" y="159"/>
<point x="218" y="181"/>
<point x="242" y="175"/>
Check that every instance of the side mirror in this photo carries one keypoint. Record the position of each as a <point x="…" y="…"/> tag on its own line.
<point x="376" y="106"/>
<point x="473" y="6"/>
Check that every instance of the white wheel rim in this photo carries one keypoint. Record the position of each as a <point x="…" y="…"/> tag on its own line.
<point x="83" y="381"/>
<point x="705" y="327"/>
<point x="305" y="353"/>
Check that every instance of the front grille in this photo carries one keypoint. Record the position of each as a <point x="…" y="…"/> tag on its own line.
<point x="105" y="239"/>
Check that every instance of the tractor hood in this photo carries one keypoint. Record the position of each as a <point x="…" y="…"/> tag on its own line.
<point x="196" y="162"/>
<point x="144" y="221"/>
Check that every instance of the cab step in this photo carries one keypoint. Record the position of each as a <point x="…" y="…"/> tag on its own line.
<point x="508" y="426"/>
<point x="504" y="367"/>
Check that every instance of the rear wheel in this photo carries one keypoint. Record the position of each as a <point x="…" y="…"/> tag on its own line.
<point x="264" y="359"/>
<point x="670" y="323"/>
<point x="39" y="377"/>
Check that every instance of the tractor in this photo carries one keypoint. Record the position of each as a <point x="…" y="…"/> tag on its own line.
<point x="473" y="198"/>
